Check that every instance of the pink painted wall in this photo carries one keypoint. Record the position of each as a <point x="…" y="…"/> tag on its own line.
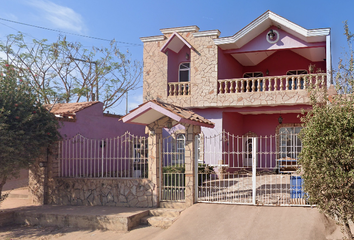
<point x="233" y="122"/>
<point x="91" y="123"/>
<point x="228" y="67"/>
<point x="277" y="64"/>
<point x="262" y="125"/>
<point x="282" y="61"/>
<point x="286" y="41"/>
<point x="239" y="121"/>
<point x="173" y="62"/>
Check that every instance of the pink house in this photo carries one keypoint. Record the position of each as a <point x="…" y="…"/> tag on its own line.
<point x="252" y="85"/>
<point x="88" y="119"/>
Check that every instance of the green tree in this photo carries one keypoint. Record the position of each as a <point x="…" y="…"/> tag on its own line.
<point x="327" y="157"/>
<point x="26" y="127"/>
<point x="68" y="72"/>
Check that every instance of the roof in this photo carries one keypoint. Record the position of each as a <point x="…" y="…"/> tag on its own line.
<point x="263" y="22"/>
<point x="153" y="110"/>
<point x="68" y="108"/>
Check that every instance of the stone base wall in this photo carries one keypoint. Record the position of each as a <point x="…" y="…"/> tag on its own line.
<point x="101" y="192"/>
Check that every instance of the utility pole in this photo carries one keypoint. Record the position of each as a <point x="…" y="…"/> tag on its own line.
<point x="126" y="103"/>
<point x="94" y="97"/>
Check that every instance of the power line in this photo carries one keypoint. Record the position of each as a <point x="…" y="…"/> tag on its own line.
<point x="54" y="30"/>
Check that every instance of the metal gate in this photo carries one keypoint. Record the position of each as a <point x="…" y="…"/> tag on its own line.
<point x="250" y="169"/>
<point x="173" y="168"/>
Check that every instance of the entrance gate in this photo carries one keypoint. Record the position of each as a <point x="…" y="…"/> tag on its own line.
<point x="250" y="170"/>
<point x="173" y="168"/>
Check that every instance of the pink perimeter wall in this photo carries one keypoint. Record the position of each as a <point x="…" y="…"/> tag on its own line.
<point x="92" y="123"/>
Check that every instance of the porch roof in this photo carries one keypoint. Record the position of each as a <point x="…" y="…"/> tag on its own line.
<point x="153" y="110"/>
<point x="175" y="43"/>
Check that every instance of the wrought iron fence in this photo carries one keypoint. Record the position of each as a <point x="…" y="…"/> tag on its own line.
<point x="124" y="156"/>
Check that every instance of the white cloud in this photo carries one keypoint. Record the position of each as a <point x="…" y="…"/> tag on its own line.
<point x="62" y="17"/>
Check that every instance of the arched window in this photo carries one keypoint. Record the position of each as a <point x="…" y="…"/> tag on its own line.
<point x="296" y="72"/>
<point x="184" y="72"/>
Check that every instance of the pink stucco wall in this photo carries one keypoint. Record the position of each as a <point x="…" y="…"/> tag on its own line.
<point x="236" y="122"/>
<point x="286" y="41"/>
<point x="228" y="67"/>
<point x="277" y="64"/>
<point x="282" y="61"/>
<point x="91" y="123"/>
<point x="174" y="60"/>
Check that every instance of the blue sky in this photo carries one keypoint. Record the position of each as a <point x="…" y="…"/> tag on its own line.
<point x="126" y="21"/>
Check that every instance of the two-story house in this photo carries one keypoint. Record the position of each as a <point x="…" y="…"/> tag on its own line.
<point x="251" y="84"/>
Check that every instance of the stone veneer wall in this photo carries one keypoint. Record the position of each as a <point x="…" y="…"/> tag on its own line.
<point x="203" y="72"/>
<point x="204" y="79"/>
<point x="101" y="192"/>
<point x="48" y="188"/>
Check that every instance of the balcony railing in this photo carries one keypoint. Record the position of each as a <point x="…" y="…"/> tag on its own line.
<point x="179" y="89"/>
<point x="271" y="83"/>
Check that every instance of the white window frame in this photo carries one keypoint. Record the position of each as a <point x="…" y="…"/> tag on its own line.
<point x="296" y="72"/>
<point x="253" y="75"/>
<point x="180" y="148"/>
<point x="289" y="143"/>
<point x="184" y="69"/>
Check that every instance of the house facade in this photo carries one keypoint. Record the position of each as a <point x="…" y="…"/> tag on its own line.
<point x="251" y="84"/>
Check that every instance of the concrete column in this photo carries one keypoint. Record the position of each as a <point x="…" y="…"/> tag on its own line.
<point x="155" y="143"/>
<point x="191" y="132"/>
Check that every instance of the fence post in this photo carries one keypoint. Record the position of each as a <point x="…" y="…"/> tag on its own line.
<point x="254" y="169"/>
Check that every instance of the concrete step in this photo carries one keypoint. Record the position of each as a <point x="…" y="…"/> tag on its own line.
<point x="83" y="217"/>
<point x="165" y="212"/>
<point x="19" y="196"/>
<point x="179" y="205"/>
<point x="161" y="222"/>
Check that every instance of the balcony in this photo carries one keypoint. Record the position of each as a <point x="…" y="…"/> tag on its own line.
<point x="179" y="89"/>
<point x="271" y="83"/>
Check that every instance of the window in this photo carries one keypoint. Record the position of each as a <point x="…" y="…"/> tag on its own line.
<point x="296" y="72"/>
<point x="249" y="83"/>
<point x="180" y="143"/>
<point x="290" y="145"/>
<point x="199" y="138"/>
<point x="184" y="69"/>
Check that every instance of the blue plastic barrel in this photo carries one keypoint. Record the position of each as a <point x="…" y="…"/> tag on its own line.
<point x="296" y="190"/>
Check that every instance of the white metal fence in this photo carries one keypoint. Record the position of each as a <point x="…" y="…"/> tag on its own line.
<point x="251" y="170"/>
<point x="173" y="168"/>
<point x="120" y="157"/>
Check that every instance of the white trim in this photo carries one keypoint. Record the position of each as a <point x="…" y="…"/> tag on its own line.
<point x="274" y="19"/>
<point x="153" y="38"/>
<point x="175" y="34"/>
<point x="189" y="71"/>
<point x="207" y="33"/>
<point x="328" y="60"/>
<point x="180" y="29"/>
